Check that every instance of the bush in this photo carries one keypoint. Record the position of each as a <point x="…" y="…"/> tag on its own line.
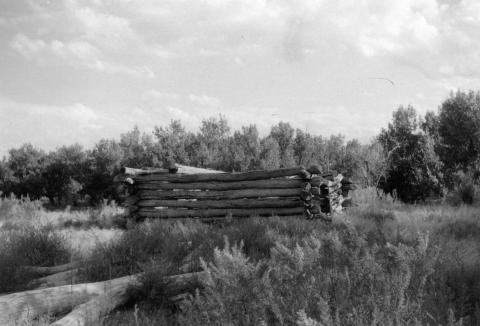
<point x="326" y="279"/>
<point x="13" y="208"/>
<point x="464" y="192"/>
<point x="36" y="246"/>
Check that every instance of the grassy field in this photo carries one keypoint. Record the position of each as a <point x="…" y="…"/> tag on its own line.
<point x="381" y="263"/>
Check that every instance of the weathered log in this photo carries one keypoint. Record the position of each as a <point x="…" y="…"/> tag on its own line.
<point x="279" y="183"/>
<point x="27" y="305"/>
<point x="318" y="182"/>
<point x="98" y="307"/>
<point x="131" y="200"/>
<point x="305" y="196"/>
<point x="92" y="311"/>
<point x="132" y="171"/>
<point x="92" y="300"/>
<point x="228" y="203"/>
<point x="52" y="270"/>
<point x="315" y="169"/>
<point x="315" y="191"/>
<point x="184" y="213"/>
<point x="184" y="169"/>
<point x="228" y="194"/>
<point x="306" y="186"/>
<point x="58" y="279"/>
<point x="222" y="177"/>
<point x="176" y="168"/>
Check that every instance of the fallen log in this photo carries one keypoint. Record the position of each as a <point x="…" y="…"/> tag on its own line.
<point x="200" y="213"/>
<point x="58" y="279"/>
<point x="228" y="194"/>
<point x="279" y="183"/>
<point x="27" y="305"/>
<point x="94" y="310"/>
<point x="132" y="171"/>
<point x="87" y="300"/>
<point x="222" y="177"/>
<point x="230" y="203"/>
<point x="53" y="269"/>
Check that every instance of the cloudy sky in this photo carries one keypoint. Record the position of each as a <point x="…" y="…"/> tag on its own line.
<point x="77" y="71"/>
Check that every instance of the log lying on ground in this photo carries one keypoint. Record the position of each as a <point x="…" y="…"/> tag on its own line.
<point x="132" y="171"/>
<point x="58" y="279"/>
<point x="222" y="177"/>
<point x="279" y="183"/>
<point x="98" y="307"/>
<point x="228" y="194"/>
<point x="179" y="213"/>
<point x="96" y="299"/>
<point x="21" y="306"/>
<point x="230" y="203"/>
<point x="92" y="311"/>
<point x="54" y="269"/>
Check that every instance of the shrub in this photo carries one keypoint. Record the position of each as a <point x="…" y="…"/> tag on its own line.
<point x="464" y="191"/>
<point x="13" y="208"/>
<point x="324" y="280"/>
<point x="37" y="246"/>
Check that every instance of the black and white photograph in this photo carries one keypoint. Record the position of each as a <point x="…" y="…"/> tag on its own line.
<point x="239" y="162"/>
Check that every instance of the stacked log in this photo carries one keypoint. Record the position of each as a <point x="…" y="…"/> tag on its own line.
<point x="186" y="192"/>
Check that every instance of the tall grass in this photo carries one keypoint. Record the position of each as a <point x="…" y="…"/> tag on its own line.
<point x="381" y="263"/>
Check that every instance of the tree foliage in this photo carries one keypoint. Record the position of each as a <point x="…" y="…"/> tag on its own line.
<point x="413" y="157"/>
<point x="413" y="170"/>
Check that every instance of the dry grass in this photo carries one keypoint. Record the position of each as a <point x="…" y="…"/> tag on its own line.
<point x="356" y="242"/>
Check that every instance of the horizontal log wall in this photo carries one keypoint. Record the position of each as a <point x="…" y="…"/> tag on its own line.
<point x="181" y="192"/>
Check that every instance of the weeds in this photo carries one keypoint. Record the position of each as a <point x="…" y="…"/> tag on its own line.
<point x="36" y="246"/>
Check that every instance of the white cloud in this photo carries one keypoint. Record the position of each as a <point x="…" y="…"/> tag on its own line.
<point x="205" y="100"/>
<point x="75" y="53"/>
<point x="49" y="126"/>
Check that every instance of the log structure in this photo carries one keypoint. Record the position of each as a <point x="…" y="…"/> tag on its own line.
<point x="186" y="192"/>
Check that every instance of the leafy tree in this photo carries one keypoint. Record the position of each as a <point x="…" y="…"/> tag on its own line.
<point x="214" y="141"/>
<point x="172" y="143"/>
<point x="104" y="162"/>
<point x="139" y="151"/>
<point x="283" y="133"/>
<point x="65" y="173"/>
<point x="304" y="148"/>
<point x="245" y="149"/>
<point x="270" y="155"/>
<point x="373" y="165"/>
<point x="351" y="159"/>
<point x="412" y="168"/>
<point x="459" y="131"/>
<point x="26" y="164"/>
<point x="6" y="178"/>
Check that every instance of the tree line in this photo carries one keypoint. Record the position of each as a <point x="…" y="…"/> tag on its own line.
<point x="415" y="157"/>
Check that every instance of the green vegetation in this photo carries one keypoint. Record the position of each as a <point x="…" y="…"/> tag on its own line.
<point x="415" y="158"/>
<point x="382" y="263"/>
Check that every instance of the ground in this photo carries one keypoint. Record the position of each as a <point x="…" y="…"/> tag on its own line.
<point x="380" y="263"/>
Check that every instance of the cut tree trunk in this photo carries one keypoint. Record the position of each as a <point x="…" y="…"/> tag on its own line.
<point x="279" y="183"/>
<point x="228" y="194"/>
<point x="222" y="177"/>
<point x="89" y="301"/>
<point x="94" y="310"/>
<point x="58" y="279"/>
<point x="229" y="203"/>
<point x="27" y="305"/>
<point x="245" y="212"/>
<point x="54" y="269"/>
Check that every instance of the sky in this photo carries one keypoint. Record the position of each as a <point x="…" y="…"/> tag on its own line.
<point x="81" y="70"/>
